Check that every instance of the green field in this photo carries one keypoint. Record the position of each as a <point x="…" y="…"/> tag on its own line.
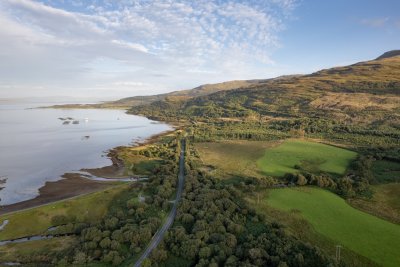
<point x="332" y="217"/>
<point x="308" y="156"/>
<point x="87" y="208"/>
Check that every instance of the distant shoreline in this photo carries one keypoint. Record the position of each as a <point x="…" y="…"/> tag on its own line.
<point x="103" y="105"/>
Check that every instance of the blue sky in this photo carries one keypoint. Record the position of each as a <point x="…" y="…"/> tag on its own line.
<point x="329" y="33"/>
<point x="110" y="49"/>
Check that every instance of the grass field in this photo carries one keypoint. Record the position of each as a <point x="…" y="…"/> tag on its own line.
<point x="87" y="208"/>
<point x="237" y="158"/>
<point x="19" y="251"/>
<point x="260" y="158"/>
<point x="309" y="156"/>
<point x="333" y="218"/>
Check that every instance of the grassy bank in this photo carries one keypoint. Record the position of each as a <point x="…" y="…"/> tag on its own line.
<point x="20" y="251"/>
<point x="86" y="208"/>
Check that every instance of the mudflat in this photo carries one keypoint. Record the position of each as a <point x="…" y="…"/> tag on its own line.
<point x="72" y="185"/>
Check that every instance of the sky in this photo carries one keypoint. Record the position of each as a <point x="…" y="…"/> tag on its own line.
<point x="106" y="49"/>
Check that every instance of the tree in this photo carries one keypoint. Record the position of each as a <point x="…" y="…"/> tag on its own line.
<point x="205" y="252"/>
<point x="80" y="258"/>
<point x="159" y="255"/>
<point x="146" y="263"/>
<point x="301" y="180"/>
<point x="105" y="243"/>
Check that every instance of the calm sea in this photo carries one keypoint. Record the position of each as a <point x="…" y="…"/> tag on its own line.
<point x="38" y="145"/>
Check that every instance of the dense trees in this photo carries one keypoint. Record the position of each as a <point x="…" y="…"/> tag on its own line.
<point x="215" y="227"/>
<point x="130" y="224"/>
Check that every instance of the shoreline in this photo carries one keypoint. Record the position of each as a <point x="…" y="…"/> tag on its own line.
<point x="72" y="185"/>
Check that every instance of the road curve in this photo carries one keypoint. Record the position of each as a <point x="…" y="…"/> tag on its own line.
<point x="171" y="216"/>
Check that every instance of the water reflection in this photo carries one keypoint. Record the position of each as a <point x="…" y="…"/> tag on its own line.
<point x="36" y="146"/>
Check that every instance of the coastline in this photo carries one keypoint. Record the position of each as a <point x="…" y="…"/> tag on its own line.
<point x="73" y="184"/>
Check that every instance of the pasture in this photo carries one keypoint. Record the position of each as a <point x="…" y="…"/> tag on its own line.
<point x="233" y="158"/>
<point x="294" y="155"/>
<point x="330" y="216"/>
<point x="260" y="158"/>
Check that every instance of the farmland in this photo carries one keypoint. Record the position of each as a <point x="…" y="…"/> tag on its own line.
<point x="233" y="158"/>
<point x="333" y="218"/>
<point x="292" y="155"/>
<point x="260" y="158"/>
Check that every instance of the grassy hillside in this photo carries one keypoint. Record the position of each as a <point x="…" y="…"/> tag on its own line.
<point x="367" y="235"/>
<point x="309" y="156"/>
<point x="363" y="93"/>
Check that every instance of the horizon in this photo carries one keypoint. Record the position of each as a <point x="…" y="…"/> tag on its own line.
<point x="106" y="51"/>
<point x="77" y="100"/>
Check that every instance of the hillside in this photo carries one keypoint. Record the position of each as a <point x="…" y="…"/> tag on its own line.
<point x="126" y="103"/>
<point x="366" y="93"/>
<point x="388" y="54"/>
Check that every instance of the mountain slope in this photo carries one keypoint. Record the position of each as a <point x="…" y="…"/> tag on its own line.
<point x="126" y="103"/>
<point x="389" y="54"/>
<point x="363" y="93"/>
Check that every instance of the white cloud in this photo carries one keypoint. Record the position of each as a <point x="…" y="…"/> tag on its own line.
<point x="169" y="44"/>
<point x="133" y="46"/>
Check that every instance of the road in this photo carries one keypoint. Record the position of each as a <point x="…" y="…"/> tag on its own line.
<point x="171" y="216"/>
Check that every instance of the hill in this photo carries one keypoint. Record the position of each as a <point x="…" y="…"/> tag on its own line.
<point x="128" y="102"/>
<point x="366" y="93"/>
<point x="388" y="54"/>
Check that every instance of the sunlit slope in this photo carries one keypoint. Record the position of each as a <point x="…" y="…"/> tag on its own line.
<point x="365" y="93"/>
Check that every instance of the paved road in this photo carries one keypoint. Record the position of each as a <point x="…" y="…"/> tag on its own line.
<point x="170" y="219"/>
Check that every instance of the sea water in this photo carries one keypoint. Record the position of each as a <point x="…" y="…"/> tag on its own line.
<point x="39" y="145"/>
